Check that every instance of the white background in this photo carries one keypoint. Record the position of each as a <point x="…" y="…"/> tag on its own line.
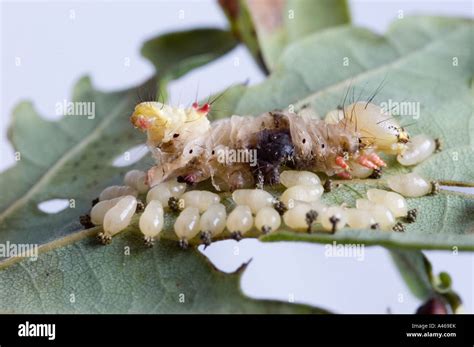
<point x="55" y="50"/>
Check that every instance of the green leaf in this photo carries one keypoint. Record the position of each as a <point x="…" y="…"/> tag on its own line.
<point x="242" y="28"/>
<point x="308" y="17"/>
<point x="176" y="53"/>
<point x="76" y="164"/>
<point x="445" y="281"/>
<point x="417" y="272"/>
<point x="267" y="27"/>
<point x="85" y="277"/>
<point x="68" y="159"/>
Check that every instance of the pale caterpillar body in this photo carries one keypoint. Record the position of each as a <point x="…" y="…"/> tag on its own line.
<point x="187" y="146"/>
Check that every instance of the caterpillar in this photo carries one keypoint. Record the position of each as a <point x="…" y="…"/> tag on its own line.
<point x="289" y="149"/>
<point x="187" y="146"/>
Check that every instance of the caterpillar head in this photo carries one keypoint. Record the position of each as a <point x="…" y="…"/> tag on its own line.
<point x="377" y="129"/>
<point x="162" y="122"/>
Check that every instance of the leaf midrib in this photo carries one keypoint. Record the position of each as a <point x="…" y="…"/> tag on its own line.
<point x="77" y="148"/>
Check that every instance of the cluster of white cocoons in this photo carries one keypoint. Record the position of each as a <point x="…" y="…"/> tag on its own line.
<point x="202" y="212"/>
<point x="254" y="207"/>
<point x="381" y="208"/>
<point x="190" y="221"/>
<point x="302" y="198"/>
<point x="303" y="186"/>
<point x="201" y="199"/>
<point x="117" y="205"/>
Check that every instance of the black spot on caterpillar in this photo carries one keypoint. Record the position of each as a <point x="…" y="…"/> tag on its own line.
<point x="274" y="148"/>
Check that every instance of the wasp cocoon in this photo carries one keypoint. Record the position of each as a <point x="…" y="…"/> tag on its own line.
<point x="383" y="217"/>
<point x="99" y="210"/>
<point x="393" y="201"/>
<point x="360" y="171"/>
<point x="364" y="204"/>
<point x="113" y="192"/>
<point x="187" y="225"/>
<point x="319" y="207"/>
<point x="334" y="116"/>
<point x="376" y="195"/>
<point x="418" y="149"/>
<point x="151" y="221"/>
<point x="239" y="221"/>
<point x="333" y="219"/>
<point x="256" y="199"/>
<point x="164" y="191"/>
<point x="292" y="178"/>
<point x="137" y="180"/>
<point x="410" y="185"/>
<point x="295" y="217"/>
<point x="306" y="193"/>
<point x="201" y="199"/>
<point x="176" y="188"/>
<point x="359" y="219"/>
<point x="160" y="193"/>
<point x="118" y="217"/>
<point x="267" y="220"/>
<point x="213" y="220"/>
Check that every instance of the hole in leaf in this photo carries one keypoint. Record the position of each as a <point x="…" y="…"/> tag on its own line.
<point x="228" y="255"/>
<point x="130" y="156"/>
<point x="53" y="206"/>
